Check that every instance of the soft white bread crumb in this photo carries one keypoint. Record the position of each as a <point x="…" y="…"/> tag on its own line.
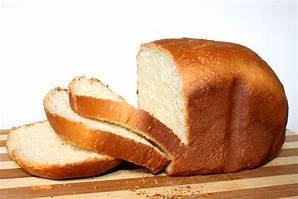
<point x="39" y="144"/>
<point x="83" y="86"/>
<point x="159" y="90"/>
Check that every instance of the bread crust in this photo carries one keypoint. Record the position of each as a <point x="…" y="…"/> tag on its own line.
<point x="124" y="114"/>
<point x="108" y="143"/>
<point x="235" y="106"/>
<point x="88" y="168"/>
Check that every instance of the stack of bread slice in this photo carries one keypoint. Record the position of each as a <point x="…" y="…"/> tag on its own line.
<point x="203" y="107"/>
<point x="69" y="142"/>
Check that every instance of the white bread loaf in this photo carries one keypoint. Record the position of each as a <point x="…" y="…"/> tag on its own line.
<point x="221" y="99"/>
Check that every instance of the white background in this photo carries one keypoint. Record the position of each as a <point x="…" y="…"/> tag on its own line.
<point x="44" y="44"/>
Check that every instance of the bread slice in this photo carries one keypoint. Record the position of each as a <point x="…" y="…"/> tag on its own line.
<point x="92" y="99"/>
<point x="100" y="136"/>
<point x="41" y="152"/>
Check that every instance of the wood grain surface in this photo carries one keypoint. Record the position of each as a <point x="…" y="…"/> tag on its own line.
<point x="278" y="178"/>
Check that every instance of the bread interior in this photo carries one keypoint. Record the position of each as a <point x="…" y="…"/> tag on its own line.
<point x="159" y="89"/>
<point x="38" y="143"/>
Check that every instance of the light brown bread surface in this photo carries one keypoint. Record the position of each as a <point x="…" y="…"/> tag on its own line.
<point x="221" y="99"/>
<point x="92" y="99"/>
<point x="100" y="136"/>
<point x="41" y="152"/>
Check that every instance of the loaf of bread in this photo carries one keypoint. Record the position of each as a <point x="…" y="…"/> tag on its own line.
<point x="221" y="99"/>
<point x="204" y="107"/>
<point x="41" y="152"/>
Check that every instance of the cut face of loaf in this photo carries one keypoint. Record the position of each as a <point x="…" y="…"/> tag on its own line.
<point x="100" y="136"/>
<point x="92" y="99"/>
<point x="159" y="90"/>
<point x="221" y="99"/>
<point x="41" y="152"/>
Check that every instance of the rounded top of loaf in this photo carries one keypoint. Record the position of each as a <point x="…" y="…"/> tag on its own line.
<point x="204" y="61"/>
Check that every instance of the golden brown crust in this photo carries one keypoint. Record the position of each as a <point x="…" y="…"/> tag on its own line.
<point x="236" y="108"/>
<point x="122" y="113"/>
<point x="87" y="168"/>
<point x="108" y="143"/>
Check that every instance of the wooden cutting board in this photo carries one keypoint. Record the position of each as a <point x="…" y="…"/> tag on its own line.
<point x="278" y="178"/>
